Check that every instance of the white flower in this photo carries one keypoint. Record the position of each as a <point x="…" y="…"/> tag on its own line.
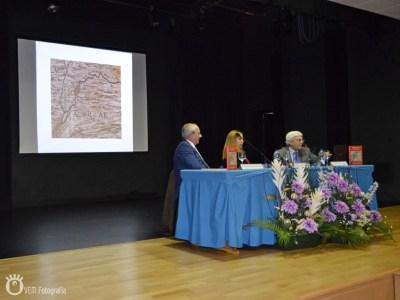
<point x="301" y="175"/>
<point x="371" y="192"/>
<point x="278" y="174"/>
<point x="363" y="219"/>
<point x="300" y="224"/>
<point x="316" y="201"/>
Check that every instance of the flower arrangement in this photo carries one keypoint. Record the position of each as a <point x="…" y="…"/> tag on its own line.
<point x="346" y="216"/>
<point x="298" y="208"/>
<point x="335" y="210"/>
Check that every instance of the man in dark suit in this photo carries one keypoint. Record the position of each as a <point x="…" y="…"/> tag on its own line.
<point x="186" y="157"/>
<point x="186" y="154"/>
<point x="295" y="152"/>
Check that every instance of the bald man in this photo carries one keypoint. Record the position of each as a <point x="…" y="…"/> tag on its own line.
<point x="295" y="152"/>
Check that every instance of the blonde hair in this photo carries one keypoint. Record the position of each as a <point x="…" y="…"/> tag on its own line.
<point x="231" y="140"/>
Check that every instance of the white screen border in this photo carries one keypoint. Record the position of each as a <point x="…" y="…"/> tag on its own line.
<point x="35" y="120"/>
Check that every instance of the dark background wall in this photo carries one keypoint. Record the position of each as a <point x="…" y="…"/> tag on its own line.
<point x="228" y="70"/>
<point x="304" y="96"/>
<point x="5" y="169"/>
<point x="374" y="70"/>
<point x="58" y="178"/>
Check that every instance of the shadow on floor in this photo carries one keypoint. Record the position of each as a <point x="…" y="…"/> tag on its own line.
<point x="29" y="231"/>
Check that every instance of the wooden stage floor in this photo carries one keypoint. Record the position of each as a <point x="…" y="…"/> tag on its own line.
<point x="165" y="268"/>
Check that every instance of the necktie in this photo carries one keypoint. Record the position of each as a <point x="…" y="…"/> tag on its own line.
<point x="296" y="158"/>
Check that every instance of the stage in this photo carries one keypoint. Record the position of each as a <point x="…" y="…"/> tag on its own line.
<point x="165" y="268"/>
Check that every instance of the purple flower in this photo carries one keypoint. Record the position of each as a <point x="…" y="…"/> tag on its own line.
<point x="326" y="192"/>
<point x="374" y="215"/>
<point x="342" y="185"/>
<point x="358" y="207"/>
<point x="332" y="178"/>
<point x="310" y="225"/>
<point x="297" y="187"/>
<point x="341" y="207"/>
<point x="328" y="216"/>
<point x="355" y="189"/>
<point x="307" y="203"/>
<point x="353" y="217"/>
<point x="289" y="206"/>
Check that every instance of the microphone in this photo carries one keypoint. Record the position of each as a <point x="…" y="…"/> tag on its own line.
<point x="264" y="157"/>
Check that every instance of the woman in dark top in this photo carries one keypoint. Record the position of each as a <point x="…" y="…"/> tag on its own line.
<point x="235" y="140"/>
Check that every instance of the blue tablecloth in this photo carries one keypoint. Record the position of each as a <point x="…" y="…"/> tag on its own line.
<point x="215" y="205"/>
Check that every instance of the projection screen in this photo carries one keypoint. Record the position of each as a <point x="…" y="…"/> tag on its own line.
<point x="76" y="99"/>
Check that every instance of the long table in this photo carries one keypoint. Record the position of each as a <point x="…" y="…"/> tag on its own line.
<point x="216" y="205"/>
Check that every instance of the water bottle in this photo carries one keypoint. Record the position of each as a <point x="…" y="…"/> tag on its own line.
<point x="287" y="159"/>
<point x="327" y="156"/>
<point x="322" y="159"/>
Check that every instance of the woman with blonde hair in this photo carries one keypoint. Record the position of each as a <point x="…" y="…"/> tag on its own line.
<point x="235" y="139"/>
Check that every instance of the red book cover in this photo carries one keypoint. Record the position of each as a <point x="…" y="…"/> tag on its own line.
<point x="231" y="158"/>
<point x="356" y="155"/>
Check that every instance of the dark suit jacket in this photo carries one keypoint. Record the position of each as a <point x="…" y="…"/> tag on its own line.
<point x="306" y="156"/>
<point x="186" y="157"/>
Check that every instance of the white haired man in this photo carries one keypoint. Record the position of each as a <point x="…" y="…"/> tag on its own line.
<point x="186" y="157"/>
<point x="186" y="154"/>
<point x="295" y="152"/>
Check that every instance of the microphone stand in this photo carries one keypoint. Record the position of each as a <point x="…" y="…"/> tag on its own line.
<point x="264" y="157"/>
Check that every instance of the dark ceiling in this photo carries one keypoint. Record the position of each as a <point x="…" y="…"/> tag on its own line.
<point x="200" y="12"/>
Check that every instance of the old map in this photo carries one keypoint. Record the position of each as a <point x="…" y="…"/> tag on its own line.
<point x="85" y="100"/>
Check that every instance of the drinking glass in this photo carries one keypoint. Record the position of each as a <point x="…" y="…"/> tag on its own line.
<point x="277" y="156"/>
<point x="241" y="157"/>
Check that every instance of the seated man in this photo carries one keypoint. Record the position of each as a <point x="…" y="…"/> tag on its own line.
<point x="294" y="152"/>
<point x="186" y="154"/>
<point x="186" y="157"/>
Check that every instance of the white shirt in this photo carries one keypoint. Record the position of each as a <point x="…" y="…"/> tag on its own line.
<point x="191" y="144"/>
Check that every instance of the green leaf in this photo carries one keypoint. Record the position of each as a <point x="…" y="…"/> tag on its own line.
<point x="380" y="228"/>
<point x="282" y="234"/>
<point x="356" y="237"/>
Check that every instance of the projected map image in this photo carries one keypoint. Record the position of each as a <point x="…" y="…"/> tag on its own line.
<point x="85" y="100"/>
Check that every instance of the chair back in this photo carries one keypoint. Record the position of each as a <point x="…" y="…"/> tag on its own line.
<point x="170" y="204"/>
